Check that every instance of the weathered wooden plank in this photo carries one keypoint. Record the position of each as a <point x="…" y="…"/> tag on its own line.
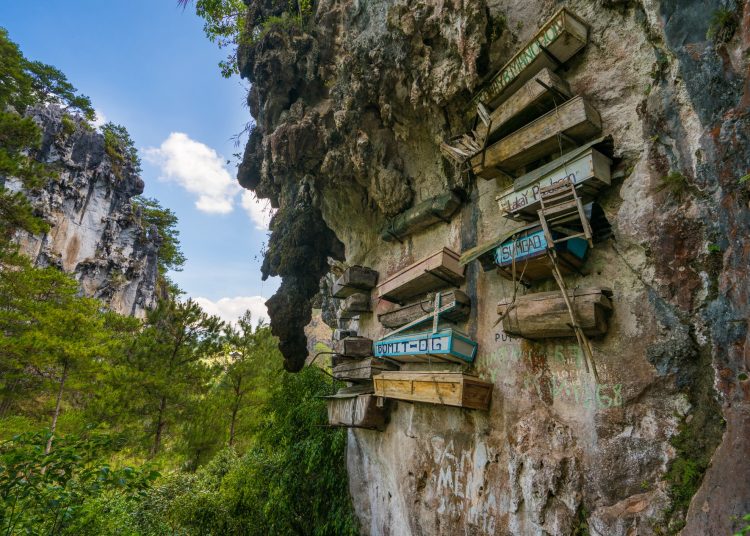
<point x="444" y="345"/>
<point x="403" y="315"/>
<point x="421" y="216"/>
<point x="536" y="97"/>
<point x="562" y="36"/>
<point x="354" y="279"/>
<point x="354" y="305"/>
<point x="588" y="170"/>
<point x="445" y="388"/>
<point x="357" y="370"/>
<point x="545" y="314"/>
<point x="361" y="411"/>
<point x="576" y="120"/>
<point x="438" y="270"/>
<point x="355" y="346"/>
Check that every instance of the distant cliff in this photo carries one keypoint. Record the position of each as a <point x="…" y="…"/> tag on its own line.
<point x="95" y="232"/>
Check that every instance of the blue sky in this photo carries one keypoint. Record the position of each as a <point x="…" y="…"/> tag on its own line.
<point x="147" y="65"/>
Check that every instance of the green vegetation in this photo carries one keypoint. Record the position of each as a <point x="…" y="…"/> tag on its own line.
<point x="172" y="424"/>
<point x="746" y="529"/>
<point x="231" y="23"/>
<point x="120" y="148"/>
<point x="722" y="26"/>
<point x="675" y="184"/>
<point x="165" y="221"/>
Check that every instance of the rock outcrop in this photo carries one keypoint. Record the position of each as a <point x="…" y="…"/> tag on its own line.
<point x="95" y="232"/>
<point x="350" y="112"/>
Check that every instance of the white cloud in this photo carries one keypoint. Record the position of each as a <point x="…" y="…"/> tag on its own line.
<point x="260" y="211"/>
<point x="230" y="309"/>
<point x="99" y="118"/>
<point x="202" y="171"/>
<point x="198" y="169"/>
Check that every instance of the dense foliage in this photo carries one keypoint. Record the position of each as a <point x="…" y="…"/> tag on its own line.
<point x="174" y="424"/>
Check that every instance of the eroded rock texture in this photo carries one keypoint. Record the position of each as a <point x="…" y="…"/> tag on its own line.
<point x="94" y="233"/>
<point x="350" y="112"/>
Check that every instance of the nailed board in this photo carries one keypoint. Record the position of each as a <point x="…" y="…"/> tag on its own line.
<point x="360" y="411"/>
<point x="354" y="279"/>
<point x="562" y="36"/>
<point x="445" y="388"/>
<point x="408" y="313"/>
<point x="438" y="270"/>
<point x="445" y="345"/>
<point x="355" y="347"/>
<point x="358" y="370"/>
<point x="423" y="215"/>
<point x="535" y="98"/>
<point x="545" y="314"/>
<point x="589" y="170"/>
<point x="576" y="119"/>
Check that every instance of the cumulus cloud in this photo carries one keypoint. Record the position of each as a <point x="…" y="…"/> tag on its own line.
<point x="202" y="171"/>
<point x="99" y="118"/>
<point x="198" y="169"/>
<point x="230" y="309"/>
<point x="260" y="211"/>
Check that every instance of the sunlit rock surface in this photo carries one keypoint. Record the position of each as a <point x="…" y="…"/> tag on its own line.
<point x="95" y="233"/>
<point x="350" y="113"/>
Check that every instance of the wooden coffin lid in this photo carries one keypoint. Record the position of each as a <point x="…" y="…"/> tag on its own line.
<point x="430" y="376"/>
<point x="389" y="281"/>
<point x="541" y="296"/>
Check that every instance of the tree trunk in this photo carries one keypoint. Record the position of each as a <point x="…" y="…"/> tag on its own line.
<point x="231" y="425"/>
<point x="159" y="427"/>
<point x="58" y="403"/>
<point x="235" y="409"/>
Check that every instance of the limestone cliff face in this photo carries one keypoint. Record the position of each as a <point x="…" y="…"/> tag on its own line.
<point x="350" y="113"/>
<point x="94" y="233"/>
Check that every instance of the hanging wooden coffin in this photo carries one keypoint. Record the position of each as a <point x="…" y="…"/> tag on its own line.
<point x="587" y="168"/>
<point x="436" y="271"/>
<point x="445" y="345"/>
<point x="420" y="217"/>
<point x="359" y="370"/>
<point x="356" y="411"/>
<point x="445" y="388"/>
<point x="536" y="97"/>
<point x="355" y="279"/>
<point x="408" y="313"/>
<point x="530" y="252"/>
<point x="572" y="123"/>
<point x="556" y="42"/>
<point x="545" y="314"/>
<point x="355" y="347"/>
<point x="354" y="305"/>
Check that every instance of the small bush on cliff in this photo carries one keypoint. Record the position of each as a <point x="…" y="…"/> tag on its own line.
<point x="723" y="26"/>
<point x="120" y="148"/>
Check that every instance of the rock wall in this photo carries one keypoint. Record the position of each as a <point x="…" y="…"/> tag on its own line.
<point x="95" y="233"/>
<point x="350" y="112"/>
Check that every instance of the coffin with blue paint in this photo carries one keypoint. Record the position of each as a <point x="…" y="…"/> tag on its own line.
<point x="530" y="252"/>
<point x="529" y="247"/>
<point x="444" y="345"/>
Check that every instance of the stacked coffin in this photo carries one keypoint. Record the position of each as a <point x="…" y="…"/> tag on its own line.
<point x="534" y="132"/>
<point x="410" y="343"/>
